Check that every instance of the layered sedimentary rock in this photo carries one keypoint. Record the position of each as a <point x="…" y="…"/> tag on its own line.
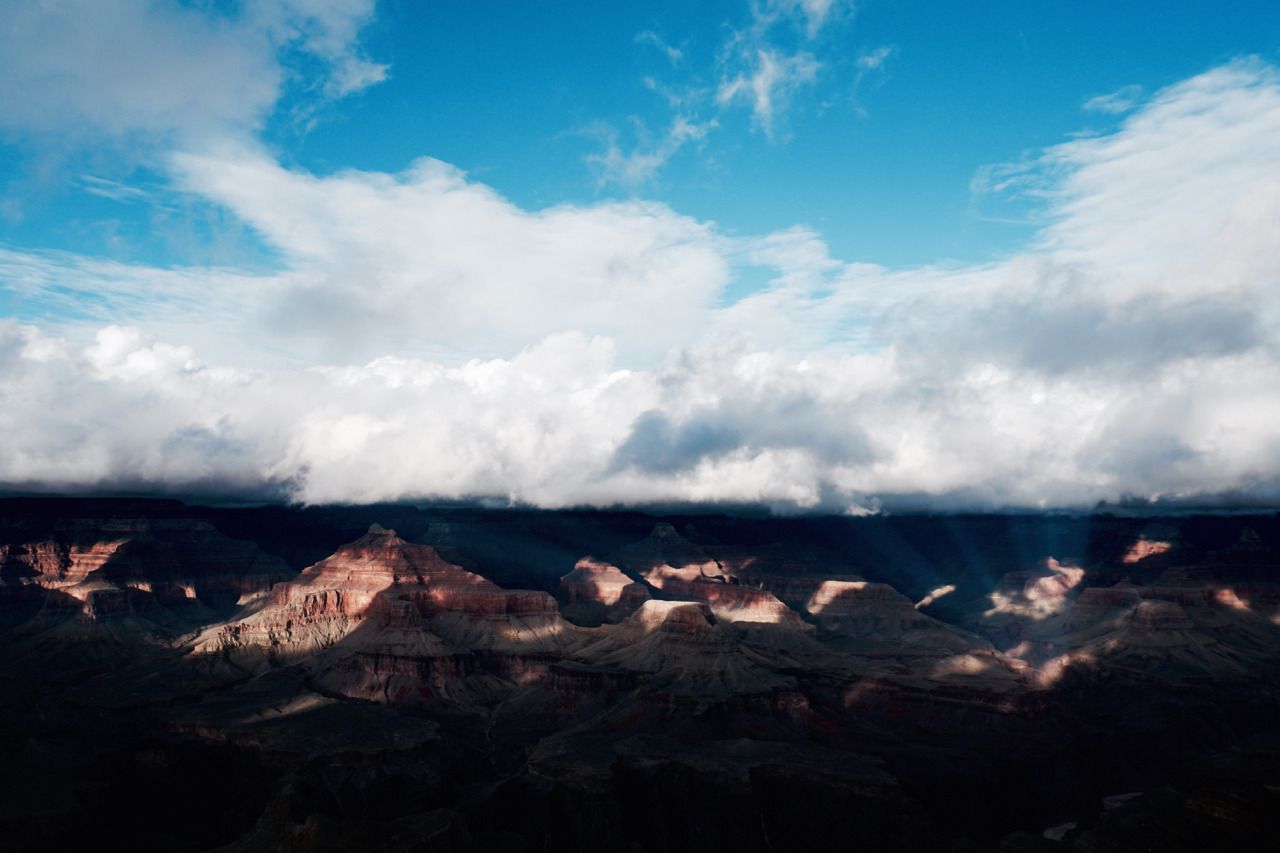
<point x="690" y="651"/>
<point x="682" y="570"/>
<point x="389" y="689"/>
<point x="864" y="617"/>
<point x="383" y="582"/>
<point x="1186" y="625"/>
<point x="596" y="592"/>
<point x="125" y="582"/>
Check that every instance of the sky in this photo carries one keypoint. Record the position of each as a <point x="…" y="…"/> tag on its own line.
<point x="816" y="255"/>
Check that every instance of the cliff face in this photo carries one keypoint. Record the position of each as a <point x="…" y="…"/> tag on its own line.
<point x="678" y="569"/>
<point x="382" y="581"/>
<point x="125" y="582"/>
<point x="596" y="592"/>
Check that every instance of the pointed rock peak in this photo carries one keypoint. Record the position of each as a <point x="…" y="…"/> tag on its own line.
<point x="665" y="536"/>
<point x="377" y="536"/>
<point x="593" y="564"/>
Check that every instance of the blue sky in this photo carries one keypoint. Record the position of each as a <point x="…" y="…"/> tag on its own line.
<point x="521" y="96"/>
<point x="817" y="254"/>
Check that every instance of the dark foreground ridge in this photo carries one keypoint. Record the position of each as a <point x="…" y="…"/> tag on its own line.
<point x="460" y="679"/>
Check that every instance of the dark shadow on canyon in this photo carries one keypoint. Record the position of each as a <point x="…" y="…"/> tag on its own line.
<point x="167" y="751"/>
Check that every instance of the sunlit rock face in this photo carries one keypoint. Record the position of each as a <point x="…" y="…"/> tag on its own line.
<point x="596" y="592"/>
<point x="1035" y="595"/>
<point x="382" y="580"/>
<point x="690" y="651"/>
<point x="860" y="616"/>
<point x="1186" y="624"/>
<point x="53" y="564"/>
<point x="1144" y="548"/>
<point x="682" y="570"/>
<point x="156" y="577"/>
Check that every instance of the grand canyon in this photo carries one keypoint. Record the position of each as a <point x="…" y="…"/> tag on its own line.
<point x="764" y="426"/>
<point x="454" y="678"/>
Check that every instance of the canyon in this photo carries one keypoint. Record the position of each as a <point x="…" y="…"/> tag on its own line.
<point x="466" y="679"/>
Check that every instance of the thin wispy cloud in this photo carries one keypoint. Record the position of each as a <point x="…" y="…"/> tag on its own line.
<point x="641" y="163"/>
<point x="1120" y="101"/>
<point x="114" y="190"/>
<point x="769" y="85"/>
<point x="875" y="59"/>
<point x="649" y="37"/>
<point x="762" y="65"/>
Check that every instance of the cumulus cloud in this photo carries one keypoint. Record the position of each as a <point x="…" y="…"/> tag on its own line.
<point x="385" y="262"/>
<point x="589" y="354"/>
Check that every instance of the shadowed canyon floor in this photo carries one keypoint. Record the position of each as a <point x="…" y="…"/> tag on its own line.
<point x="459" y="679"/>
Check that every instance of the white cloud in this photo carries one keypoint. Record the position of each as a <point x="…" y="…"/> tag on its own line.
<point x="1190" y="179"/>
<point x="429" y="261"/>
<point x="811" y="15"/>
<point x="1122" y="100"/>
<point x="875" y="59"/>
<point x="144" y="70"/>
<point x="1132" y="350"/>
<point x="673" y="54"/>
<point x="114" y="190"/>
<point x="763" y="65"/>
<point x="633" y="168"/>
<point x="758" y="70"/>
<point x="768" y="83"/>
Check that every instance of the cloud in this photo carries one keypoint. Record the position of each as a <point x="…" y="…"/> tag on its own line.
<point x="768" y="84"/>
<point x="639" y="165"/>
<point x="425" y="337"/>
<point x="114" y="190"/>
<point x="429" y="261"/>
<point x="875" y="59"/>
<point x="673" y="54"/>
<point x="1184" y="191"/>
<point x="1122" y="100"/>
<point x="812" y="15"/>
<point x="763" y="64"/>
<point x="92" y="68"/>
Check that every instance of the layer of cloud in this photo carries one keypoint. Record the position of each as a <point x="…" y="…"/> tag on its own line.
<point x="393" y="262"/>
<point x="468" y="347"/>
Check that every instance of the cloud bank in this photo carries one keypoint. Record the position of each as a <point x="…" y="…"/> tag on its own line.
<point x="424" y="337"/>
